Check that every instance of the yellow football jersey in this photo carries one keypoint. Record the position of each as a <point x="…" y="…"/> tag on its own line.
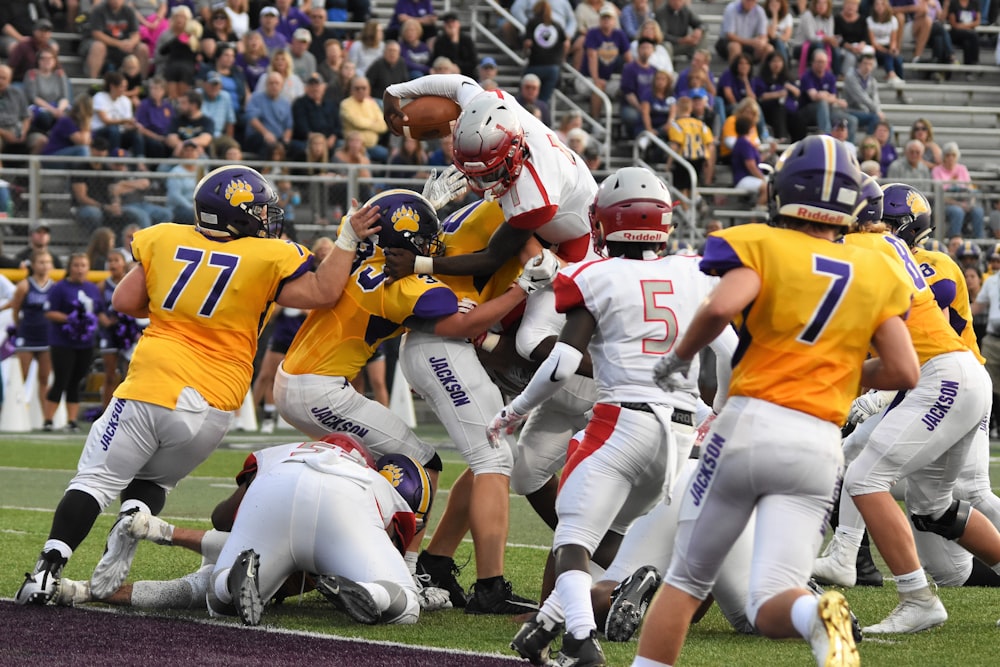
<point x="208" y="300"/>
<point x="805" y="336"/>
<point x="931" y="333"/>
<point x="466" y="231"/>
<point x="945" y="278"/>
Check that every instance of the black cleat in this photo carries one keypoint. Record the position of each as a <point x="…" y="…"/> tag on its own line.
<point x="532" y="642"/>
<point x="629" y="602"/>
<point x="442" y="571"/>
<point x="584" y="652"/>
<point x="498" y="598"/>
<point x="868" y="574"/>
<point x="349" y="597"/>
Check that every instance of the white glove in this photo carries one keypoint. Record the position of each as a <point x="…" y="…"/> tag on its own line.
<point x="465" y="304"/>
<point x="538" y="272"/>
<point x="432" y="599"/>
<point x="670" y="372"/>
<point x="441" y="189"/>
<point x="868" y="405"/>
<point x="505" y="422"/>
<point x="347" y="238"/>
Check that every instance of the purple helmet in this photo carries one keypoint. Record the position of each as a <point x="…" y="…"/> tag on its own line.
<point x="236" y="201"/>
<point x="968" y="250"/>
<point x="816" y="180"/>
<point x="907" y="212"/>
<point x="871" y="194"/>
<point x="408" y="221"/>
<point x="410" y="480"/>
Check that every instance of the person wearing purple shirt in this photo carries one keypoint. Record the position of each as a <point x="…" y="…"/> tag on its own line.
<point x="420" y="10"/>
<point x="777" y="95"/>
<point x="637" y="84"/>
<point x="74" y="309"/>
<point x="606" y="50"/>
<point x="290" y="19"/>
<point x="71" y="133"/>
<point x="274" y="39"/>
<point x="745" y="158"/>
<point x="154" y="116"/>
<point x="818" y="103"/>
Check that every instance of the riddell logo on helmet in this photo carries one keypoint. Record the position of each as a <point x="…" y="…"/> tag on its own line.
<point x="815" y="215"/>
<point x="640" y="237"/>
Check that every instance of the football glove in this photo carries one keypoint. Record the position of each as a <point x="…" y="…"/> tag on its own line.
<point x="670" y="372"/>
<point x="538" y="272"/>
<point x="465" y="305"/>
<point x="347" y="238"/>
<point x="868" y="405"/>
<point x="432" y="599"/>
<point x="441" y="189"/>
<point x="505" y="423"/>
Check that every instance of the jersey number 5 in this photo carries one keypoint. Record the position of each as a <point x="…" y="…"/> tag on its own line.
<point x="841" y="273"/>
<point x="193" y="257"/>
<point x="654" y="312"/>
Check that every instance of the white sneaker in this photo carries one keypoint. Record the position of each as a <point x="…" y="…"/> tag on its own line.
<point x="145" y="526"/>
<point x="837" y="564"/>
<point x="267" y="426"/>
<point x="113" y="568"/>
<point x="832" y="639"/>
<point x="70" y="593"/>
<point x="911" y="615"/>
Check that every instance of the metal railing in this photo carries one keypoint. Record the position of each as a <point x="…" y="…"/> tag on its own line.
<point x="689" y="203"/>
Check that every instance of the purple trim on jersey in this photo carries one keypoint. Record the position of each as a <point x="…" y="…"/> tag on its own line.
<point x="944" y="292"/>
<point x="304" y="267"/>
<point x="718" y="257"/>
<point x="435" y="303"/>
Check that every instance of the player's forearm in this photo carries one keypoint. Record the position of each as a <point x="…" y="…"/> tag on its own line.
<point x="555" y="371"/>
<point x="443" y="85"/>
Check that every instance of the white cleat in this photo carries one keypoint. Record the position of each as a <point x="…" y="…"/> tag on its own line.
<point x="837" y="564"/>
<point x="911" y="615"/>
<point x="145" y="526"/>
<point x="832" y="638"/>
<point x="113" y="568"/>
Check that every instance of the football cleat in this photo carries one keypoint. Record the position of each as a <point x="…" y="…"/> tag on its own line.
<point x="349" y="597"/>
<point x="584" y="652"/>
<point x="831" y="638"/>
<point x="145" y="526"/>
<point x="40" y="586"/>
<point x="868" y="574"/>
<point x="113" y="568"/>
<point x="498" y="598"/>
<point x="243" y="586"/>
<point x="441" y="571"/>
<point x="855" y="624"/>
<point x="837" y="564"/>
<point x="629" y="602"/>
<point x="533" y="641"/>
<point x="70" y="593"/>
<point x="912" y="614"/>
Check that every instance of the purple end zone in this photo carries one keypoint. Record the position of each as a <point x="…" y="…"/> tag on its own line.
<point x="55" y="636"/>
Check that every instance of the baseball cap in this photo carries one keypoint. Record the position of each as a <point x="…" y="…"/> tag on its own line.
<point x="214" y="77"/>
<point x="696" y="93"/>
<point x="488" y="62"/>
<point x="40" y="226"/>
<point x="302" y="35"/>
<point x="269" y="11"/>
<point x="841" y="124"/>
<point x="607" y="10"/>
<point x="867" y="51"/>
<point x="43" y="24"/>
<point x="315" y="77"/>
<point x="449" y="16"/>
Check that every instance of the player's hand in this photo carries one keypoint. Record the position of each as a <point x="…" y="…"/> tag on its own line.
<point x="393" y="114"/>
<point x="398" y="262"/>
<point x="505" y="423"/>
<point x="432" y="599"/>
<point x="442" y="189"/>
<point x="538" y="272"/>
<point x="358" y="225"/>
<point x="868" y="405"/>
<point x="670" y="372"/>
<point x="703" y="428"/>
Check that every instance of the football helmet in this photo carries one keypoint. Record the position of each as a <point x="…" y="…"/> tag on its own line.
<point x="935" y="245"/>
<point x="632" y="205"/>
<point x="968" y="250"/>
<point x="410" y="480"/>
<point x="408" y="221"/>
<point x="994" y="253"/>
<point x="816" y="180"/>
<point x="907" y="212"/>
<point x="871" y="196"/>
<point x="489" y="145"/>
<point x="236" y="201"/>
<point x="352" y="446"/>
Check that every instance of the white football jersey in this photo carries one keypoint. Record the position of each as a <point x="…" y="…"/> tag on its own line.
<point x="642" y="309"/>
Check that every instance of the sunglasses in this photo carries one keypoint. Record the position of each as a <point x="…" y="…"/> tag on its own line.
<point x="919" y="128"/>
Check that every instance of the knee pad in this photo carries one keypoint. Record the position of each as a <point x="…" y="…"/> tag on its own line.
<point x="403" y="609"/>
<point x="950" y="525"/>
<point x="435" y="463"/>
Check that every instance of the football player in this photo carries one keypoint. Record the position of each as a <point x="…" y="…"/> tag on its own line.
<point x="205" y="289"/>
<point x="509" y="156"/>
<point x="808" y="310"/>
<point x="622" y="309"/>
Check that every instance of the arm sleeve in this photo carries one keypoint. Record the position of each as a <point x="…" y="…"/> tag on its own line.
<point x="558" y="367"/>
<point x="453" y="86"/>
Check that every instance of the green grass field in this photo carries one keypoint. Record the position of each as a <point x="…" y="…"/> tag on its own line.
<point x="34" y="471"/>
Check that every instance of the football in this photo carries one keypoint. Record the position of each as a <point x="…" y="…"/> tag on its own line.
<point x="430" y="117"/>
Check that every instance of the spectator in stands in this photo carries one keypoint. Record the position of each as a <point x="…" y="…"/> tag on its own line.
<point x="181" y="184"/>
<point x="734" y="83"/>
<point x="963" y="17"/>
<point x="421" y="11"/>
<point x="529" y="94"/>
<point x="560" y="13"/>
<point x="357" y="11"/>
<point x="779" y="27"/>
<point x="577" y="140"/>
<point x="131" y="191"/>
<point x="747" y="176"/>
<point x="368" y="47"/>
<point x="274" y="39"/>
<point x="913" y="18"/>
<point x="883" y="132"/>
<point x="444" y="65"/>
<point x="218" y="106"/>
<point x="114" y="33"/>
<point x="871" y="168"/>
<point x="361" y="113"/>
<point x="290" y="18"/>
<point x="39" y="236"/>
<point x="703" y="78"/>
<point x="415" y="52"/>
<point x="444" y="154"/>
<point x="102" y="241"/>
<point x="816" y="30"/>
<point x="546" y="43"/>
<point x="960" y="206"/>
<point x="588" y="16"/>
<point x="682" y="28"/>
<point x="277" y="174"/>
<point x="636" y="86"/>
<point x="861" y="92"/>
<point x="744" y="30"/>
<point x="314" y="114"/>
<point x="870" y="150"/>
<point x="319" y="33"/>
<point x="923" y="131"/>
<point x="660" y="59"/>
<point x="329" y="67"/>
<point x="31" y="335"/>
<point x="569" y="120"/>
<point x="153" y="118"/>
<point x="701" y="108"/>
<point x="413" y="154"/>
<point x="254" y="60"/>
<point x="239" y="16"/>
<point x="18" y="21"/>
<point x="47" y="89"/>
<point x="748" y="109"/>
<point x="190" y="124"/>
<point x="269" y="116"/>
<point x="292" y="87"/>
<point x="113" y="117"/>
<point x="70" y="135"/>
<point x="15" y="119"/>
<point x="25" y="53"/>
<point x="73" y="322"/>
<point x="94" y="195"/>
<point x="487" y="69"/>
<point x="218" y="30"/>
<point x="353" y="151"/>
<point x="910" y="168"/>
<point x="884" y="35"/>
<point x="152" y="17"/>
<point x="234" y="81"/>
<point x="778" y="98"/>
<point x="303" y="61"/>
<point x="340" y="86"/>
<point x="135" y="88"/>
<point x="694" y="141"/>
<point x="387" y="70"/>
<point x="819" y="103"/>
<point x="177" y="52"/>
<point x="453" y="44"/>
<point x="852" y="30"/>
<point x="606" y="51"/>
<point x="633" y="15"/>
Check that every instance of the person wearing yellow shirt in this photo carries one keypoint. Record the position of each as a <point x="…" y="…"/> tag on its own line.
<point x="360" y="112"/>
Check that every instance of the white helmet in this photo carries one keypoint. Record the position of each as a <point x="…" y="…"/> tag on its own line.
<point x="489" y="144"/>
<point x="632" y="205"/>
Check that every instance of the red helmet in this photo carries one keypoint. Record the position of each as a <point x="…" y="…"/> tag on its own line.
<point x="632" y="206"/>
<point x="352" y="446"/>
<point x="489" y="145"/>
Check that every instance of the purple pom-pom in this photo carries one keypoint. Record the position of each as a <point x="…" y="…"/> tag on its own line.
<point x="126" y="333"/>
<point x="80" y="326"/>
